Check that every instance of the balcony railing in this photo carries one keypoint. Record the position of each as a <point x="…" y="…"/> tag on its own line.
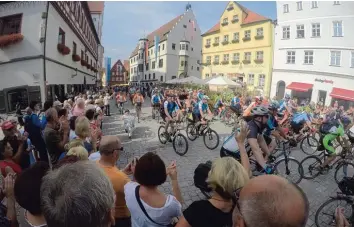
<point x="259" y="37"/>
<point x="207" y="45"/>
<point x="235" y="41"/>
<point x="245" y="61"/>
<point x="258" y="60"/>
<point x="215" y="44"/>
<point x="235" y="62"/>
<point x="224" y="23"/>
<point x="225" y="42"/>
<point x="246" y="38"/>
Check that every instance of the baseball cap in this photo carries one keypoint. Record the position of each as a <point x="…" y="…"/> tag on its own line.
<point x="57" y="103"/>
<point x="6" y="125"/>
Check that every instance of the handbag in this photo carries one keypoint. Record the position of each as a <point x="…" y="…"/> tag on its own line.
<point x="144" y="211"/>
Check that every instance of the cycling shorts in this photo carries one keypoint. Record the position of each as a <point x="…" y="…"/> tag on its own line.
<point x="326" y="140"/>
<point x="156" y="105"/>
<point x="196" y="117"/>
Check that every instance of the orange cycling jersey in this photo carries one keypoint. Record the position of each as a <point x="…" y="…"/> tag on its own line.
<point x="247" y="112"/>
<point x="120" y="98"/>
<point x="138" y="98"/>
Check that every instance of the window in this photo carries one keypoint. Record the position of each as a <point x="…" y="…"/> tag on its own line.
<point x="335" y="58"/>
<point x="336" y="3"/>
<point x="300" y="31"/>
<point x="316" y="30"/>
<point x="163" y="46"/>
<point x="74" y="48"/>
<point x="308" y="57"/>
<point x="183" y="46"/>
<point x="290" y="57"/>
<point x="61" y="36"/>
<point x="226" y="57"/>
<point x="299" y="5"/>
<point x="182" y="63"/>
<point x="261" y="80"/>
<point x="160" y="63"/>
<point x="236" y="36"/>
<point x="337" y="28"/>
<point x="216" y="58"/>
<point x="286" y="32"/>
<point x="259" y="31"/>
<point x="235" y="18"/>
<point x="149" y="76"/>
<point x="225" y="20"/>
<point x="352" y="60"/>
<point x="226" y="38"/>
<point x="314" y="4"/>
<point x="251" y="79"/>
<point x="186" y="63"/>
<point x="135" y="70"/>
<point x="208" y="59"/>
<point x="247" y="56"/>
<point x="286" y="8"/>
<point x="186" y="46"/>
<point x="10" y="24"/>
<point x="153" y="76"/>
<point x="208" y="42"/>
<point x="147" y="66"/>
<point x="161" y="78"/>
<point x="216" y="40"/>
<point x="145" y="76"/>
<point x="131" y="70"/>
<point x="206" y="75"/>
<point x="141" y="67"/>
<point x="197" y="68"/>
<point x="236" y="57"/>
<point x="159" y="48"/>
<point x="191" y="48"/>
<point x="82" y="55"/>
<point x="153" y="65"/>
<point x="259" y="55"/>
<point x="192" y="67"/>
<point x="248" y="34"/>
<point x="173" y="46"/>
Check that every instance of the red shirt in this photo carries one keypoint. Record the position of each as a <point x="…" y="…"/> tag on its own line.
<point x="16" y="167"/>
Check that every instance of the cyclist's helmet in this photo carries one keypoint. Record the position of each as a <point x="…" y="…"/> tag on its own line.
<point x="287" y="96"/>
<point x="274" y="105"/>
<point x="206" y="97"/>
<point x="259" y="111"/>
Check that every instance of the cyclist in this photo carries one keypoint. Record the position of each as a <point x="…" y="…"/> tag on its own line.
<point x="247" y="113"/>
<point x="200" y="95"/>
<point x="168" y="108"/>
<point x="137" y="101"/>
<point x="200" y="111"/>
<point x="120" y="98"/>
<point x="273" y="128"/>
<point x="255" y="139"/>
<point x="132" y="91"/>
<point x="287" y="106"/>
<point x="156" y="101"/>
<point x="219" y="105"/>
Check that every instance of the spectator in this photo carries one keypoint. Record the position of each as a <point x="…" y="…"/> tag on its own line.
<point x="82" y="130"/>
<point x="8" y="213"/>
<point x="90" y="114"/>
<point x="47" y="104"/>
<point x="9" y="158"/>
<point x="58" y="105"/>
<point x="226" y="176"/>
<point x="150" y="172"/>
<point x="64" y="113"/>
<point x="66" y="160"/>
<point x="109" y="149"/>
<point x="14" y="138"/>
<point x="72" y="122"/>
<point x="271" y="201"/>
<point x="27" y="193"/>
<point x="89" y="104"/>
<point x="79" y="108"/>
<point x="79" y="152"/>
<point x="78" y="194"/>
<point x="106" y="104"/>
<point x="56" y="134"/>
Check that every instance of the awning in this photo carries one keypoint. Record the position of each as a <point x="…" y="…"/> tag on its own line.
<point x="343" y="94"/>
<point x="297" y="86"/>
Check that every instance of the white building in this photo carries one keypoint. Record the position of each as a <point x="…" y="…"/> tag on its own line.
<point x="178" y="52"/>
<point x="314" y="51"/>
<point x="47" y="49"/>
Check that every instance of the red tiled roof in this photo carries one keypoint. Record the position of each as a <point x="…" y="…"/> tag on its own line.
<point x="159" y="32"/>
<point x="96" y="7"/>
<point x="251" y="17"/>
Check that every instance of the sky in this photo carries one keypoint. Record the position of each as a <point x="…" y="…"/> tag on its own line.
<point x="125" y="22"/>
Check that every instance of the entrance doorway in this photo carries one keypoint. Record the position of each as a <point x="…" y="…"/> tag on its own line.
<point x="322" y="96"/>
<point x="14" y="96"/>
<point x="280" y="89"/>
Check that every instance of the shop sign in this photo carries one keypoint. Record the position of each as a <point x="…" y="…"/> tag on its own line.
<point x="324" y="81"/>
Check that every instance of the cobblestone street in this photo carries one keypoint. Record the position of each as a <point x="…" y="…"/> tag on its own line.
<point x="145" y="139"/>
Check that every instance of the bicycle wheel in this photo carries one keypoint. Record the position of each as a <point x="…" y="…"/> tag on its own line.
<point x="191" y="131"/>
<point x="289" y="168"/>
<point x="345" y="169"/>
<point x="309" y="145"/>
<point x="162" y="135"/>
<point x="310" y="167"/>
<point x="211" y="135"/>
<point x="325" y="215"/>
<point x="178" y="143"/>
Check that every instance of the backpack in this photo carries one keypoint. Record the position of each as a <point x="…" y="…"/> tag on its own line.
<point x="201" y="175"/>
<point x="347" y="186"/>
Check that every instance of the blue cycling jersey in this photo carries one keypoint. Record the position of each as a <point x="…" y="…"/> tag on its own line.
<point x="200" y="96"/>
<point x="300" y="118"/>
<point x="234" y="101"/>
<point x="170" y="106"/>
<point x="282" y="106"/>
<point x="271" y="125"/>
<point x="200" y="106"/>
<point x="155" y="99"/>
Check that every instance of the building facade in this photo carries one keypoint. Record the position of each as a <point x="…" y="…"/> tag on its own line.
<point x="118" y="74"/>
<point x="126" y="65"/>
<point x="97" y="12"/>
<point x="314" y="51"/>
<point x="172" y="51"/>
<point x="47" y="50"/>
<point x="240" y="46"/>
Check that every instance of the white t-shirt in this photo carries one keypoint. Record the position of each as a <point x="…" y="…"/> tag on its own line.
<point x="162" y="215"/>
<point x="230" y="143"/>
<point x="106" y="100"/>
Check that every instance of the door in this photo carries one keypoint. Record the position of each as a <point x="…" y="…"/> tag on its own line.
<point x="322" y="96"/>
<point x="280" y="89"/>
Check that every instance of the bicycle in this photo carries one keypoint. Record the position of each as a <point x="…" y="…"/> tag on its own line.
<point x="204" y="130"/>
<point x="344" y="161"/>
<point x="328" y="209"/>
<point x="138" y="110"/>
<point x="176" y="137"/>
<point x="120" y="106"/>
<point x="156" y="112"/>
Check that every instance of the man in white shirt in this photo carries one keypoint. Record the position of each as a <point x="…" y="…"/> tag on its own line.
<point x="106" y="104"/>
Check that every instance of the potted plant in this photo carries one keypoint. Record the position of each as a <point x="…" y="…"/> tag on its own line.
<point x="6" y="40"/>
<point x="66" y="50"/>
<point x="83" y="62"/>
<point x="76" y="57"/>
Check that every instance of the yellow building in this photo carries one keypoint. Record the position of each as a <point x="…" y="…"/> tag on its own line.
<point x="240" y="46"/>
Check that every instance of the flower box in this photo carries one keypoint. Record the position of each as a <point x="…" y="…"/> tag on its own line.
<point x="88" y="66"/>
<point x="258" y="60"/>
<point x="207" y="45"/>
<point x="215" y="44"/>
<point x="215" y="63"/>
<point x="76" y="57"/>
<point x="246" y="61"/>
<point x="235" y="41"/>
<point x="224" y="23"/>
<point x="234" y="21"/>
<point x="246" y="38"/>
<point x="83" y="62"/>
<point x="6" y="40"/>
<point x="225" y="42"/>
<point x="235" y="62"/>
<point x="259" y="37"/>
<point x="225" y="62"/>
<point x="64" y="50"/>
